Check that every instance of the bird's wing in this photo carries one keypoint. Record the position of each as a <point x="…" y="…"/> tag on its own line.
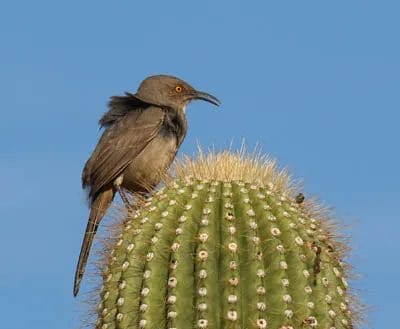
<point x="119" y="145"/>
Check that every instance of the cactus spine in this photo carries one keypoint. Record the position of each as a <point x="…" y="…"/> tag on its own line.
<point x="220" y="252"/>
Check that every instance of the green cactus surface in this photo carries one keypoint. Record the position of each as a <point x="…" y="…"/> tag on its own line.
<point x="213" y="251"/>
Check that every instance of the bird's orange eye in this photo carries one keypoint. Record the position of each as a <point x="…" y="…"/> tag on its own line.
<point x="178" y="89"/>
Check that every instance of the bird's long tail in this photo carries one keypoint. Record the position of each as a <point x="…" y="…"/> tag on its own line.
<point x="97" y="211"/>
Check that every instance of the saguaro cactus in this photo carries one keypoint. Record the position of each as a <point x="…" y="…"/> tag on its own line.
<point x="226" y="245"/>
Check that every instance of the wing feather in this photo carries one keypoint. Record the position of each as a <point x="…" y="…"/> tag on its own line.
<point x="119" y="145"/>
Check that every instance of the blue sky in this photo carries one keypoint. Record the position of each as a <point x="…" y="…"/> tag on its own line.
<point x="315" y="82"/>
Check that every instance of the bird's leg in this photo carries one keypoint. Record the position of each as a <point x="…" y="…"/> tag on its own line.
<point x="122" y="193"/>
<point x="124" y="198"/>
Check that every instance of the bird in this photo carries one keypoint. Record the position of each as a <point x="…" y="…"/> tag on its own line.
<point x="141" y="137"/>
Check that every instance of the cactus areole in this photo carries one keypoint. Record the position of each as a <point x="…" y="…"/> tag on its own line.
<point x="224" y="248"/>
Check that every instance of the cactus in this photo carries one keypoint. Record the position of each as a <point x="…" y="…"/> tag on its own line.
<point x="226" y="245"/>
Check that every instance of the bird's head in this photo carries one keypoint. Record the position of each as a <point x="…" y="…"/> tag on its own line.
<point x="169" y="91"/>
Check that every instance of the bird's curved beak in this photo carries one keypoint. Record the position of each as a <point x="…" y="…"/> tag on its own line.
<point x="205" y="97"/>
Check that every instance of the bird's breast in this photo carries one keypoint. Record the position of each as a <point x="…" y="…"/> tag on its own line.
<point x="175" y="124"/>
<point x="146" y="170"/>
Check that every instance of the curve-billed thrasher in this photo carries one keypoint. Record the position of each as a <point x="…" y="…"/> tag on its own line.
<point x="142" y="135"/>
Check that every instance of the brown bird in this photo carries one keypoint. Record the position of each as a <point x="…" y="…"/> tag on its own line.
<point x="143" y="132"/>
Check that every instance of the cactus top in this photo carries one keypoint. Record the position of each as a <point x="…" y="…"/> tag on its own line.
<point x="225" y="252"/>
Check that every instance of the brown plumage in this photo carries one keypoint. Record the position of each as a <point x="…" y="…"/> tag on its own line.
<point x="142" y="135"/>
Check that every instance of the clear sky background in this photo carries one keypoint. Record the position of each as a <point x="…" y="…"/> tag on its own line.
<point x="315" y="82"/>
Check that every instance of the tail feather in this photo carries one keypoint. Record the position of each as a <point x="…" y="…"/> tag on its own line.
<point x="97" y="211"/>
